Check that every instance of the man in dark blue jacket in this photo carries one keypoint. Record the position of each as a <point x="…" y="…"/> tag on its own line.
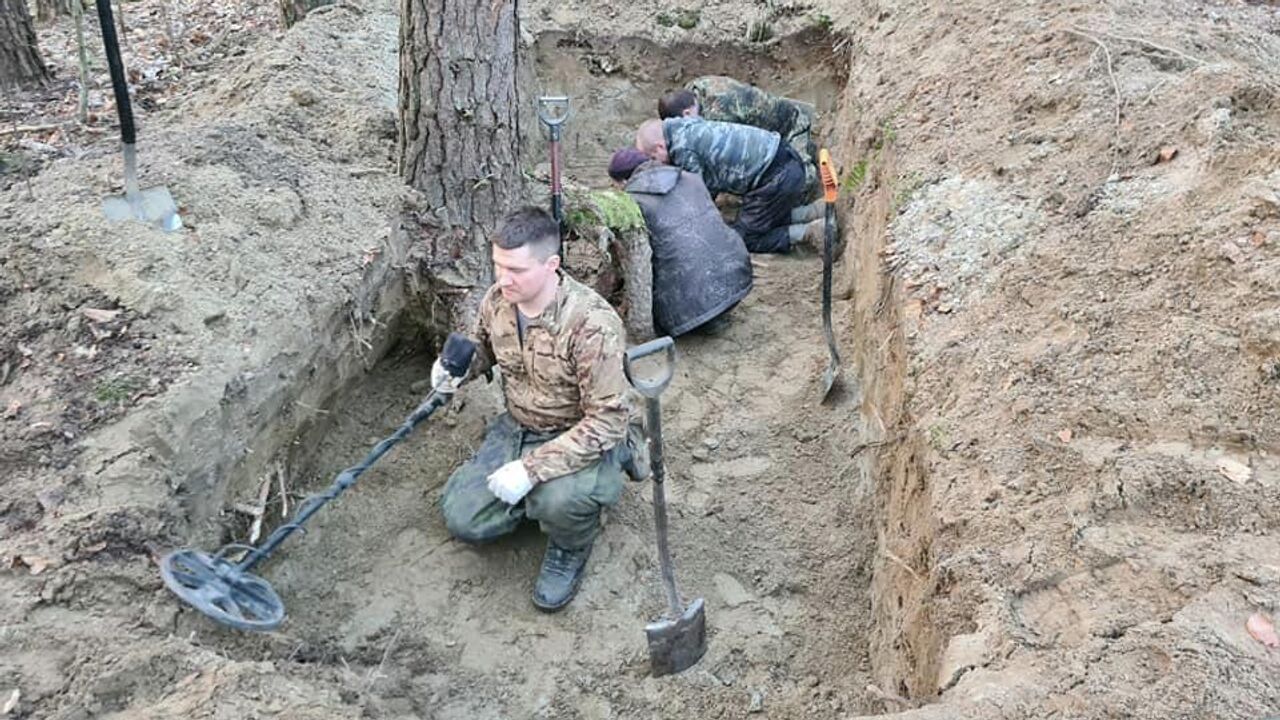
<point x="745" y="161"/>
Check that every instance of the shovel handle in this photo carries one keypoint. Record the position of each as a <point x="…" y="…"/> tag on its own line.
<point x="651" y="387"/>
<point x="827" y="170"/>
<point x="553" y="110"/>
<point x="557" y="199"/>
<point x="118" y="84"/>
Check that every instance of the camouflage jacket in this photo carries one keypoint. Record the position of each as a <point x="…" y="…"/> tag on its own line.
<point x="565" y="377"/>
<point x="729" y="157"/>
<point x="724" y="99"/>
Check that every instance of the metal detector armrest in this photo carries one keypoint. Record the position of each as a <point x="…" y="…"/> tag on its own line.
<point x="651" y="387"/>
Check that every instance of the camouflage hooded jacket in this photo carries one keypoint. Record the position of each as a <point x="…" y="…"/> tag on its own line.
<point x="727" y="100"/>
<point x="565" y="377"/>
<point x="729" y="157"/>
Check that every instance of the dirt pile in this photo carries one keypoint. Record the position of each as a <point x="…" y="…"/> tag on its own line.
<point x="210" y="361"/>
<point x="1063" y="279"/>
<point x="143" y="370"/>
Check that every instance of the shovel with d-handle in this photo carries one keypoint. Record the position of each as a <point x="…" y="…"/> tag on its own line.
<point x="229" y="592"/>
<point x="678" y="642"/>
<point x="553" y="111"/>
<point x="153" y="205"/>
<point x="830" y="190"/>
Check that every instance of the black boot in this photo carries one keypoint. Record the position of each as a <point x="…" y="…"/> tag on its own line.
<point x="562" y="571"/>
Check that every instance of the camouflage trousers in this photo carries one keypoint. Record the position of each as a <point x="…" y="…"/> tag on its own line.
<point x="802" y="143"/>
<point x="566" y="508"/>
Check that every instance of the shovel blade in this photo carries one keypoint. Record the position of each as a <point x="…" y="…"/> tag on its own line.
<point x="154" y="206"/>
<point x="829" y="379"/>
<point x="677" y="645"/>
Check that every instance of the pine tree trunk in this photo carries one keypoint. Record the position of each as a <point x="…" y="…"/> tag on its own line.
<point x="294" y="10"/>
<point x="459" y="140"/>
<point x="20" y="62"/>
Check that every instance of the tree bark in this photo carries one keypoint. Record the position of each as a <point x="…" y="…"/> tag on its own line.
<point x="20" y="62"/>
<point x="294" y="10"/>
<point x="459" y="139"/>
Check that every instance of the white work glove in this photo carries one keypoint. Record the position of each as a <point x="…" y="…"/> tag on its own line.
<point x="511" y="482"/>
<point x="442" y="381"/>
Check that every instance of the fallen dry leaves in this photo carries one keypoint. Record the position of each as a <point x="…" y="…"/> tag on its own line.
<point x="169" y="49"/>
<point x="99" y="315"/>
<point x="1234" y="470"/>
<point x="34" y="563"/>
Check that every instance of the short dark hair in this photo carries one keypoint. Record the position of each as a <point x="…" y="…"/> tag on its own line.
<point x="674" y="103"/>
<point x="531" y="226"/>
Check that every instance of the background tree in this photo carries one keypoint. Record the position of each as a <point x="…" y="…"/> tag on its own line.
<point x="20" y="62"/>
<point x="294" y="10"/>
<point x="47" y="10"/>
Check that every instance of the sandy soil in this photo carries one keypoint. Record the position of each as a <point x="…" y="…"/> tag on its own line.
<point x="1047" y="489"/>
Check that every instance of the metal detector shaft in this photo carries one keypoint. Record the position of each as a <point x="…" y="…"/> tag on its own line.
<point x="345" y="479"/>
<point x="232" y="595"/>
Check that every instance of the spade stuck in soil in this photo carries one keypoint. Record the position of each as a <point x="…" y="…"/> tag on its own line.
<point x="155" y="205"/>
<point x="679" y="641"/>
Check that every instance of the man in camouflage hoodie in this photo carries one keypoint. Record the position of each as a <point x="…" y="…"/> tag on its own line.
<point x="747" y="161"/>
<point x="556" y="455"/>
<point x="723" y="99"/>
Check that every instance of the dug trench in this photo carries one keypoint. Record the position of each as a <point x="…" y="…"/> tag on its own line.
<point x="395" y="618"/>
<point x="764" y="530"/>
<point x="1047" y="488"/>
<point x="770" y="525"/>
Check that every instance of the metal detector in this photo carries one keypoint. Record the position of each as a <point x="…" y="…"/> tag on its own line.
<point x="228" y="591"/>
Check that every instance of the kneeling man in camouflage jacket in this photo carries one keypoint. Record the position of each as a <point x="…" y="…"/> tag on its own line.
<point x="556" y="455"/>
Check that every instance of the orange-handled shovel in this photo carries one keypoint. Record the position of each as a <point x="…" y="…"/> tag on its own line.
<point x="830" y="191"/>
